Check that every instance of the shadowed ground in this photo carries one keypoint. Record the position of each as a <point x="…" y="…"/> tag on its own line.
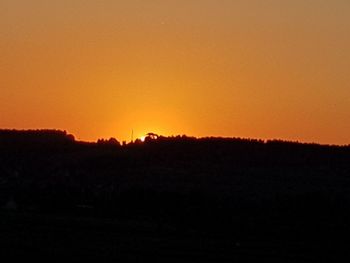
<point x="176" y="199"/>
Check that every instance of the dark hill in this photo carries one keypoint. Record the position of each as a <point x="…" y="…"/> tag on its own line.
<point x="288" y="195"/>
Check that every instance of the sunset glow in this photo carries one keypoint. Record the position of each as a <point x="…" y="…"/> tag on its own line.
<point x="100" y="69"/>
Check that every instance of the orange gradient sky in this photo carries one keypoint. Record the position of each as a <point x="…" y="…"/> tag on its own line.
<point x="245" y="68"/>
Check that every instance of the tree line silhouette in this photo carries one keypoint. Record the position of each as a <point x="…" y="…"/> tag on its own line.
<point x="222" y="186"/>
<point x="49" y="170"/>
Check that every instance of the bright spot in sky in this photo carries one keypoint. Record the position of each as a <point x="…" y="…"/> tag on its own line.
<point x="143" y="138"/>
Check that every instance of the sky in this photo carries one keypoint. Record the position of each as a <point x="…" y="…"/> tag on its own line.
<point x="246" y="68"/>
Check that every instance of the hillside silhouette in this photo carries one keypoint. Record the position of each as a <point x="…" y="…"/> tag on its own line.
<point x="249" y="199"/>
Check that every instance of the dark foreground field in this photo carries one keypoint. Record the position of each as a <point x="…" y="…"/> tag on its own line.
<point x="172" y="200"/>
<point x="82" y="238"/>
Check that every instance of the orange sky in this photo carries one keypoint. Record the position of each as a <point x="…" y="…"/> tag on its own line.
<point x="261" y="69"/>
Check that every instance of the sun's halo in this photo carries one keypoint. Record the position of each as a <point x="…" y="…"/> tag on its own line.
<point x="143" y="138"/>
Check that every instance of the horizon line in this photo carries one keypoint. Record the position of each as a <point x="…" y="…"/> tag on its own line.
<point x="65" y="132"/>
